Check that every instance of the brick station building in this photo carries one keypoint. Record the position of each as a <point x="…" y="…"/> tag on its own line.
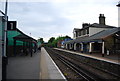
<point x="95" y="38"/>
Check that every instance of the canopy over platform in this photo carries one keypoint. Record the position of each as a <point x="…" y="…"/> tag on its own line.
<point x="24" y="38"/>
<point x="18" y="41"/>
<point x="19" y="36"/>
<point x="98" y="37"/>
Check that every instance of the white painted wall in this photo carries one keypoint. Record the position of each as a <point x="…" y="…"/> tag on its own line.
<point x="66" y="46"/>
<point x="93" y="30"/>
<point x="75" y="46"/>
<point x="0" y="48"/>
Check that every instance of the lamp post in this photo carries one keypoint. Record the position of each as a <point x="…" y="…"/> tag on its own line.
<point x="5" y="28"/>
<point x="4" y="57"/>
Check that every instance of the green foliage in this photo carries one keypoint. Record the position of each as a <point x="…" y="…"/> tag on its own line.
<point x="41" y="40"/>
<point x="51" y="39"/>
<point x="53" y="42"/>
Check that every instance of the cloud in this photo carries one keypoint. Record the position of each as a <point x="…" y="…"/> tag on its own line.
<point x="48" y="18"/>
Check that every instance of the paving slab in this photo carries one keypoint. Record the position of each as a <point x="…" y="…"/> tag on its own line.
<point x="24" y="67"/>
<point x="49" y="69"/>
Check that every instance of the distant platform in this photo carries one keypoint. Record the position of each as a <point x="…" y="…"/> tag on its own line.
<point x="110" y="58"/>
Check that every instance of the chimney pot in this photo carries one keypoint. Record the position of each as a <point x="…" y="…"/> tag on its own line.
<point x="102" y="19"/>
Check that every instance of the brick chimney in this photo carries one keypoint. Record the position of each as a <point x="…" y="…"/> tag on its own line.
<point x="84" y="25"/>
<point x="102" y="19"/>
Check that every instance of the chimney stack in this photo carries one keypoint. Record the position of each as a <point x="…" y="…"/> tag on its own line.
<point x="84" y="25"/>
<point x="118" y="4"/>
<point x="102" y="19"/>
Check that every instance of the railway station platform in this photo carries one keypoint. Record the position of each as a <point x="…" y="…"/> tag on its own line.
<point x="108" y="58"/>
<point x="49" y="69"/>
<point x="39" y="66"/>
<point x="24" y="67"/>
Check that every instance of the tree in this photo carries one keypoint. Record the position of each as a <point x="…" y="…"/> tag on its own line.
<point x="41" y="40"/>
<point x="50" y="42"/>
<point x="51" y="39"/>
<point x="67" y="37"/>
<point x="53" y="42"/>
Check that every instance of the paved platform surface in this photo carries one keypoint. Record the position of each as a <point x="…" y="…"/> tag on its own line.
<point x="109" y="58"/>
<point x="39" y="66"/>
<point x="24" y="67"/>
<point x="49" y="70"/>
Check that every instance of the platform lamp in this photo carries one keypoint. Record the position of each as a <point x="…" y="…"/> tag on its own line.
<point x="4" y="57"/>
<point x="5" y="27"/>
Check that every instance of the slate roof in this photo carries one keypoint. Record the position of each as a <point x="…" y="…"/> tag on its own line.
<point x="76" y="40"/>
<point x="76" y="29"/>
<point x="70" y="42"/>
<point x="101" y="26"/>
<point x="95" y="25"/>
<point x="96" y="37"/>
<point x="105" y="33"/>
<point x="24" y="37"/>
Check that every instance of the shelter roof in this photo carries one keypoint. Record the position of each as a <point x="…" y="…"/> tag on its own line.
<point x="96" y="37"/>
<point x="24" y="37"/>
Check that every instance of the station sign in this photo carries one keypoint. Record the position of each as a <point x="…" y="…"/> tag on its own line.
<point x="11" y="25"/>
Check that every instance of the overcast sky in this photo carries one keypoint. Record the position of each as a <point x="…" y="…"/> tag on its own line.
<point x="53" y="18"/>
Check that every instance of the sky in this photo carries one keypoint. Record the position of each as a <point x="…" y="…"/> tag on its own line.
<point x="53" y="18"/>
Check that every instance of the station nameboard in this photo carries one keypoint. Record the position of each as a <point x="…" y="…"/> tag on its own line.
<point x="11" y="25"/>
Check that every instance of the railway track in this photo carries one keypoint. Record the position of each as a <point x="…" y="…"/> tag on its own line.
<point x="84" y="75"/>
<point x="76" y="58"/>
<point x="76" y="69"/>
